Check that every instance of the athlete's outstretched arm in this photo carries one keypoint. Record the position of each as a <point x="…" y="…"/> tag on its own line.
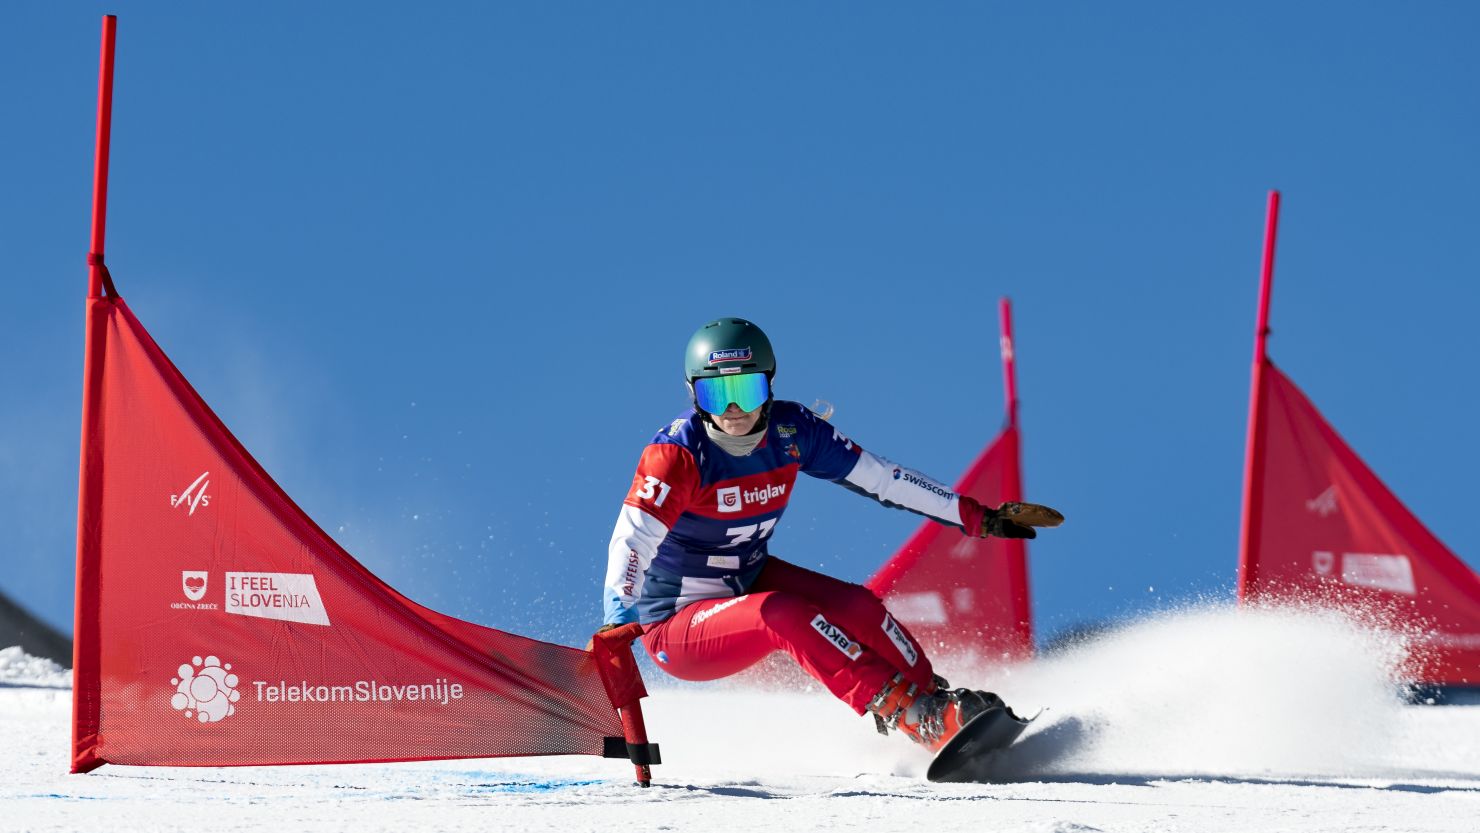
<point x="837" y="458"/>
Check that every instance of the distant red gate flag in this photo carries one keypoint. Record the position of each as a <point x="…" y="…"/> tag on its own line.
<point x="1320" y="526"/>
<point x="967" y="598"/>
<point x="217" y="625"/>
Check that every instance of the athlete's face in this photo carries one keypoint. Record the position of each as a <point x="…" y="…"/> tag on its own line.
<point x="735" y="422"/>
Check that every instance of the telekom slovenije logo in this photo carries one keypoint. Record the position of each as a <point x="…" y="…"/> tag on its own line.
<point x="194" y="494"/>
<point x="205" y="690"/>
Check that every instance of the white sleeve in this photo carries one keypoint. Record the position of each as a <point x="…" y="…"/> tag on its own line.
<point x="904" y="488"/>
<point x="634" y="544"/>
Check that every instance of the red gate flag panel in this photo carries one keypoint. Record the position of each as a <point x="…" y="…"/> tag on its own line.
<point x="966" y="598"/>
<point x="1323" y="526"/>
<point x="218" y="625"/>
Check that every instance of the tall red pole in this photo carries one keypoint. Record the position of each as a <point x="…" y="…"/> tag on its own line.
<point x="1016" y="551"/>
<point x="1009" y="365"/>
<point x="100" y="158"/>
<point x="86" y="632"/>
<point x="1254" y="445"/>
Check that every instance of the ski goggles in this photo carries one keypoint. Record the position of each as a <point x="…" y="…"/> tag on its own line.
<point x="748" y="390"/>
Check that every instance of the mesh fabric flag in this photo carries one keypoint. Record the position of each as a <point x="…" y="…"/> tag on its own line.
<point x="217" y="625"/>
<point x="966" y="598"/>
<point x="1324" y="527"/>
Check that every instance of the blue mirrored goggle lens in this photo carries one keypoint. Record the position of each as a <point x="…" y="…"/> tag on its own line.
<point x="748" y="390"/>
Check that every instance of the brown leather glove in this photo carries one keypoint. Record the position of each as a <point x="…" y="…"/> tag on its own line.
<point x="1010" y="520"/>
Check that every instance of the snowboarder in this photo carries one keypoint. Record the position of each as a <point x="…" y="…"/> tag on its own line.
<point x="689" y="560"/>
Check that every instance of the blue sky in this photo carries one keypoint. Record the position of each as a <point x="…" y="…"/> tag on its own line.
<point x="436" y="268"/>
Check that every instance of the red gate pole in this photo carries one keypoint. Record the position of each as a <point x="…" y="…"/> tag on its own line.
<point x="86" y="632"/>
<point x="1012" y="485"/>
<point x="100" y="158"/>
<point x="612" y="652"/>
<point x="1009" y="363"/>
<point x="635" y="731"/>
<point x="1254" y="445"/>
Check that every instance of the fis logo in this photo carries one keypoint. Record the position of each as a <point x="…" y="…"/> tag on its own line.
<point x="840" y="640"/>
<point x="193" y="582"/>
<point x="1324" y="504"/>
<point x="735" y="354"/>
<point x="191" y="496"/>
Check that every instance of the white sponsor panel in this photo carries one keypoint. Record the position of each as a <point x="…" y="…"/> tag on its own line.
<point x="834" y="634"/>
<point x="896" y="635"/>
<point x="1462" y="641"/>
<point x="724" y="562"/>
<point x="918" y="608"/>
<point x="1379" y="571"/>
<point x="290" y="597"/>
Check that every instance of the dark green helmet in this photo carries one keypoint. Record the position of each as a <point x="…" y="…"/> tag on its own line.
<point x="725" y="346"/>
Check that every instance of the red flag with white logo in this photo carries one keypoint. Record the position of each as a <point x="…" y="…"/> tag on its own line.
<point x="217" y="625"/>
<point x="1324" y="527"/>
<point x="966" y="598"/>
<point x="1319" y="526"/>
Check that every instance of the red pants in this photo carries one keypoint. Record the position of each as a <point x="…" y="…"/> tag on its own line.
<point x="837" y="632"/>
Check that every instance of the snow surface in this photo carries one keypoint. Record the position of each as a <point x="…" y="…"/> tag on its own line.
<point x="1203" y="720"/>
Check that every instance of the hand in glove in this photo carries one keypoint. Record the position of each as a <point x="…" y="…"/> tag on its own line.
<point x="1010" y="520"/>
<point x="591" y="643"/>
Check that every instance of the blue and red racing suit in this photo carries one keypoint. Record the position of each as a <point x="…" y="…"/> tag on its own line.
<point x="688" y="558"/>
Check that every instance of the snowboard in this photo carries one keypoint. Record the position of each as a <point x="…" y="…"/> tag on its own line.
<point x="963" y="756"/>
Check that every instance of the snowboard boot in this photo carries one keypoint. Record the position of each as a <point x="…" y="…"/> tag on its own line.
<point x="928" y="718"/>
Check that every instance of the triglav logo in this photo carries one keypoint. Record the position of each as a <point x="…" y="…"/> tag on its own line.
<point x="205" y="690"/>
<point x="732" y="498"/>
<point x="1323" y="504"/>
<point x="193" y="582"/>
<point x="194" y="494"/>
<point x="728" y="498"/>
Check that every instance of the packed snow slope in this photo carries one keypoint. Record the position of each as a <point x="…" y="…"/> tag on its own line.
<point x="1204" y="720"/>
